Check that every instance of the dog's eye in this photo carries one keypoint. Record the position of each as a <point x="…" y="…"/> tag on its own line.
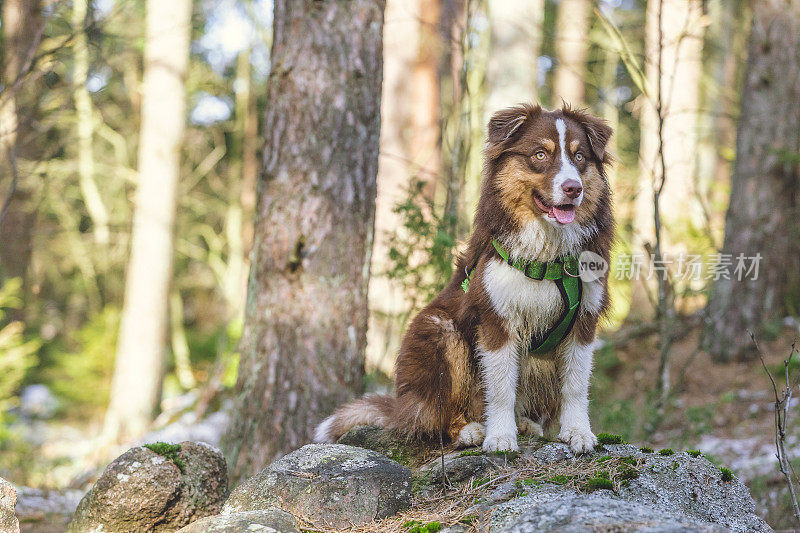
<point x="579" y="156"/>
<point x="541" y="155"/>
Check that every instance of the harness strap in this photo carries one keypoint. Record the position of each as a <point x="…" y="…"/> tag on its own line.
<point x="564" y="272"/>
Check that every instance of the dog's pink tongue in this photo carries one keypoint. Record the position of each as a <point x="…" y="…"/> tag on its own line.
<point x="565" y="216"/>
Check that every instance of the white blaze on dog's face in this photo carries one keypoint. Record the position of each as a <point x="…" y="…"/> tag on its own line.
<point x="550" y="167"/>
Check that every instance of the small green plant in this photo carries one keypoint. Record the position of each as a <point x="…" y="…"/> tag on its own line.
<point x="467" y="453"/>
<point x="469" y="519"/>
<point x="629" y="460"/>
<point x="559" y="480"/>
<point x="480" y="482"/>
<point x="168" y="451"/>
<point x="604" y="459"/>
<point x="646" y="449"/>
<point x="694" y="453"/>
<point x="526" y="482"/>
<point x="608" y="438"/>
<point x="666" y="451"/>
<point x="628" y="474"/>
<point x="727" y="475"/>
<point x="599" y="483"/>
<point x="415" y="526"/>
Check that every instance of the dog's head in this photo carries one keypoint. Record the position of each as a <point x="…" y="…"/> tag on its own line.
<point x="548" y="164"/>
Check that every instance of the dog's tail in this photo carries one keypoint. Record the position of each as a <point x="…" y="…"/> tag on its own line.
<point x="372" y="409"/>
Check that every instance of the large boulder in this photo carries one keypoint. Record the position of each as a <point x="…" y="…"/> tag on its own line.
<point x="265" y="521"/>
<point x="156" y="488"/>
<point x="8" y="500"/>
<point x="328" y="484"/>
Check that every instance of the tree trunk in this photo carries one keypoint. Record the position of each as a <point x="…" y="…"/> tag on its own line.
<point x="680" y="50"/>
<point x="21" y="29"/>
<point x="516" y="43"/>
<point x="306" y="314"/>
<point x="138" y="370"/>
<point x="84" y="119"/>
<point x="572" y="44"/>
<point x="763" y="214"/>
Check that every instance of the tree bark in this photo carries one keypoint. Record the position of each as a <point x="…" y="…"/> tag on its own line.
<point x="302" y="351"/>
<point x="572" y="45"/>
<point x="22" y="27"/>
<point x="138" y="370"/>
<point x="765" y="186"/>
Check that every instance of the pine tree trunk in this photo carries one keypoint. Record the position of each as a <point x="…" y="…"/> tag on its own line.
<point x="138" y="370"/>
<point x="21" y="33"/>
<point x="306" y="314"/>
<point x="765" y="186"/>
<point x="572" y="45"/>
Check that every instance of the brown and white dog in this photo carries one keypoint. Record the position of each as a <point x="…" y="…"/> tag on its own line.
<point x="544" y="195"/>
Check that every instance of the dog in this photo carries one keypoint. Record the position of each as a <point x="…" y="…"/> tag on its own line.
<point x="469" y="368"/>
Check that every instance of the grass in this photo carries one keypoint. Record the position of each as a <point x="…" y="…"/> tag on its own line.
<point x="168" y="451"/>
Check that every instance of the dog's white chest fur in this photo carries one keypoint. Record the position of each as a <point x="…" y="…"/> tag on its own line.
<point x="528" y="307"/>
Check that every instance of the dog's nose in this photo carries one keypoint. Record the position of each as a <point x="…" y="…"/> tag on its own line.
<point x="572" y="188"/>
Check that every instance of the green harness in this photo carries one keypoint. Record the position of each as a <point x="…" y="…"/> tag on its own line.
<point x="564" y="272"/>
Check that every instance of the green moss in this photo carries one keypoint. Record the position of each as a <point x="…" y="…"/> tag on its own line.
<point x="694" y="453"/>
<point x="608" y="438"/>
<point x="727" y="475"/>
<point x="628" y="474"/>
<point x="599" y="483"/>
<point x="604" y="459"/>
<point x="467" y="453"/>
<point x="646" y="449"/>
<point x="666" y="451"/>
<point x="526" y="482"/>
<point x="628" y="460"/>
<point x="675" y="465"/>
<point x="169" y="451"/>
<point x="511" y="455"/>
<point x="415" y="526"/>
<point x="400" y="456"/>
<point x="559" y="480"/>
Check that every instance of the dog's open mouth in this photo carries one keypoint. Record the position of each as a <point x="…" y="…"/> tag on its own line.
<point x="564" y="213"/>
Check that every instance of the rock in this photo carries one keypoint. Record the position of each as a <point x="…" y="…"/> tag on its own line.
<point x="42" y="510"/>
<point x="330" y="484"/>
<point x="568" y="511"/>
<point x="406" y="452"/>
<point x="459" y="467"/>
<point x="264" y="521"/>
<point x="8" y="500"/>
<point x="672" y="493"/>
<point x="36" y="401"/>
<point x="144" y="490"/>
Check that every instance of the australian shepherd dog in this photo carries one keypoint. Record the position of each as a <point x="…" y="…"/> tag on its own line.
<point x="465" y="366"/>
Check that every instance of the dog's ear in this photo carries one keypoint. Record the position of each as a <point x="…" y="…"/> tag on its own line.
<point x="507" y="123"/>
<point x="597" y="130"/>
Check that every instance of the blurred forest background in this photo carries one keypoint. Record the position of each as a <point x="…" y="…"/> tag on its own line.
<point x="135" y="138"/>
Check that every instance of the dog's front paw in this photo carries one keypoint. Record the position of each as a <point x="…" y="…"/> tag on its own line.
<point x="580" y="439"/>
<point x="526" y="426"/>
<point x="500" y="443"/>
<point x="471" y="435"/>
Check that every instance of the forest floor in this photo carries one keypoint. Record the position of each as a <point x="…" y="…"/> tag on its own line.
<point x="724" y="410"/>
